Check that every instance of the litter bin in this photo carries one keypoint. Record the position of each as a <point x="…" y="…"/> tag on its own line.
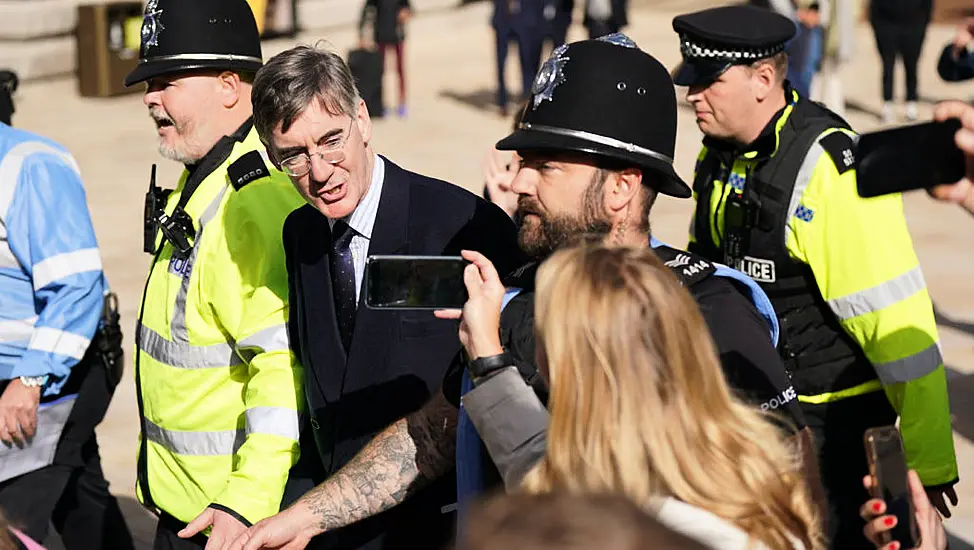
<point x="108" y="38"/>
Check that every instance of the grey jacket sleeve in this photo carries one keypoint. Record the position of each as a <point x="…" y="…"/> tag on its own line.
<point x="511" y="421"/>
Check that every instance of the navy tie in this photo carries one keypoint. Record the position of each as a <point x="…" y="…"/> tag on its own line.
<point x="343" y="280"/>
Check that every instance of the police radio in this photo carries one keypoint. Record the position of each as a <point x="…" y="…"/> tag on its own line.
<point x="735" y="228"/>
<point x="155" y="202"/>
<point x="108" y="340"/>
<point x="176" y="228"/>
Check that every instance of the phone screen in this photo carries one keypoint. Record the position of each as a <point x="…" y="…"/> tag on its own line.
<point x="889" y="469"/>
<point x="908" y="158"/>
<point x="415" y="282"/>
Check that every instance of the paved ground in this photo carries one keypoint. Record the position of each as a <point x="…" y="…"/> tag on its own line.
<point x="450" y="59"/>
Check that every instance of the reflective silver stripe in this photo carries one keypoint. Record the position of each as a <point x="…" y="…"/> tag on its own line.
<point x="880" y="296"/>
<point x="60" y="342"/>
<point x="195" y="443"/>
<point x="205" y="57"/>
<point x="7" y="258"/>
<point x="912" y="367"/>
<point x="178" y="325"/>
<point x="182" y="355"/>
<point x="17" y="330"/>
<point x="63" y="265"/>
<point x="604" y="140"/>
<point x="51" y="418"/>
<point x="801" y="182"/>
<point x="13" y="161"/>
<point x="274" y="421"/>
<point x="270" y="339"/>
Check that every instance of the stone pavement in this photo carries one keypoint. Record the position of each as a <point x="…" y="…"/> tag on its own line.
<point x="450" y="126"/>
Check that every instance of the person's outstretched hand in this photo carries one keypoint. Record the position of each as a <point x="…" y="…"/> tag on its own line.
<point x="960" y="192"/>
<point x="481" y="316"/>
<point x="500" y="168"/>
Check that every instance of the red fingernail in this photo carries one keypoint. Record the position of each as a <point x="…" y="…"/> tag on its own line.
<point x="894" y="545"/>
<point x="889" y="521"/>
<point x="877" y="506"/>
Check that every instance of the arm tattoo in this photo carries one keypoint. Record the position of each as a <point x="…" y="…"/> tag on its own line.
<point x="404" y="457"/>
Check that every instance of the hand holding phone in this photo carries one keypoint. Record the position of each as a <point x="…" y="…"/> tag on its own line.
<point x="892" y="491"/>
<point x="932" y="534"/>
<point x="960" y="192"/>
<point x="920" y="156"/>
<point x="481" y="314"/>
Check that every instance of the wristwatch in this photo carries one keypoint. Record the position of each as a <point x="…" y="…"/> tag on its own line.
<point x="482" y="367"/>
<point x="33" y="381"/>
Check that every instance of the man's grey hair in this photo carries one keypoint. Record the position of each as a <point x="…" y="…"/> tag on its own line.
<point x="287" y="84"/>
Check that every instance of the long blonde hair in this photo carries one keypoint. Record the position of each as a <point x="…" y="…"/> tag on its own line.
<point x="639" y="404"/>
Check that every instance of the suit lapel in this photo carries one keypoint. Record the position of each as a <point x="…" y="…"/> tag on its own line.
<point x="322" y="338"/>
<point x="390" y="235"/>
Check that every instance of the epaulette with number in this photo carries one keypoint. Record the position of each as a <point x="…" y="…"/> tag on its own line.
<point x="247" y="168"/>
<point x="688" y="267"/>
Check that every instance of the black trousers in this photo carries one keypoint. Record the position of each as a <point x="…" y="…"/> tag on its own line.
<point x="597" y="28"/>
<point x="838" y="429"/>
<point x="167" y="539"/>
<point x="72" y="492"/>
<point x="904" y="41"/>
<point x="76" y="500"/>
<point x="529" y="52"/>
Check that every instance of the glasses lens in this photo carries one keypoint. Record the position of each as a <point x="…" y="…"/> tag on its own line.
<point x="334" y="156"/>
<point x="296" y="166"/>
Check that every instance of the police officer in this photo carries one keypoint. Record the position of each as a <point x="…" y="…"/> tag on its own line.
<point x="218" y="390"/>
<point x="775" y="186"/>
<point x="589" y="100"/>
<point x="60" y="350"/>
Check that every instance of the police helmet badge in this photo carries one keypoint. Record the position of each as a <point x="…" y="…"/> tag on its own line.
<point x="550" y="76"/>
<point x="151" y="25"/>
<point x="618" y="39"/>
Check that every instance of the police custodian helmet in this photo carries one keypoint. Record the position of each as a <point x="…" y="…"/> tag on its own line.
<point x="715" y="39"/>
<point x="181" y="35"/>
<point x="608" y="98"/>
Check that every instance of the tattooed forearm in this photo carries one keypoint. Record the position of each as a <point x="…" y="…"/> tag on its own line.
<point x="375" y="480"/>
<point x="402" y="458"/>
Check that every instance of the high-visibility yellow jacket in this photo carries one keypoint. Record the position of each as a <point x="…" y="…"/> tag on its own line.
<point x="859" y="261"/>
<point x="220" y="391"/>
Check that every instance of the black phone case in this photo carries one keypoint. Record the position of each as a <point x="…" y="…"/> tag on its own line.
<point x="908" y="158"/>
<point x="906" y="531"/>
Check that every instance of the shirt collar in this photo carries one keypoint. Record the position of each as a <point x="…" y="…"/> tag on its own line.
<point x="362" y="219"/>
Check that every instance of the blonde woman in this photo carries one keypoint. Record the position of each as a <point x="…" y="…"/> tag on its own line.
<point x="639" y="405"/>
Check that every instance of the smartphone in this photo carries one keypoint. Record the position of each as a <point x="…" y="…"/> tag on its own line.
<point x="415" y="282"/>
<point x="912" y="157"/>
<point x="887" y="464"/>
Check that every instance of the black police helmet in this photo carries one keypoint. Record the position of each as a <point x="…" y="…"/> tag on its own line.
<point x="608" y="98"/>
<point x="182" y="35"/>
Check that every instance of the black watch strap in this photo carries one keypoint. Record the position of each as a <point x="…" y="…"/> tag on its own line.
<point x="484" y="366"/>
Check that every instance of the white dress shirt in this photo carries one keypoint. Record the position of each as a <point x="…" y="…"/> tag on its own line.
<point x="362" y="220"/>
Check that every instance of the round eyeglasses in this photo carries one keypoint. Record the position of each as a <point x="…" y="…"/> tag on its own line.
<point x="332" y="152"/>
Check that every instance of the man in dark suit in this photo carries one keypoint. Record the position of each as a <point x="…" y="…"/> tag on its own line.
<point x="365" y="368"/>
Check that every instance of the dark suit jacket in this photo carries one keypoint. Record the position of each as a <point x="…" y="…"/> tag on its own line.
<point x="396" y="359"/>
